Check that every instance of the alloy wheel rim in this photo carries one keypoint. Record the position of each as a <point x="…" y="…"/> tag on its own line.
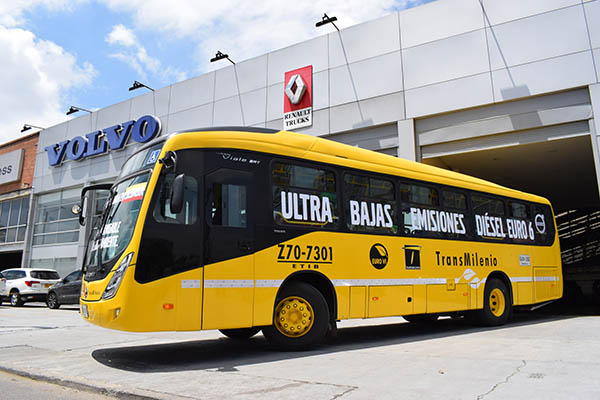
<point x="497" y="302"/>
<point x="294" y="317"/>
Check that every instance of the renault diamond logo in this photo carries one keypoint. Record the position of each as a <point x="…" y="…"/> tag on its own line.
<point x="295" y="89"/>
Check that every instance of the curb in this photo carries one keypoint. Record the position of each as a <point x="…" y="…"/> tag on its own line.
<point x="119" y="394"/>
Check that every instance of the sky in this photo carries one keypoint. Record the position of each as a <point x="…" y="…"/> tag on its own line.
<point x="87" y="53"/>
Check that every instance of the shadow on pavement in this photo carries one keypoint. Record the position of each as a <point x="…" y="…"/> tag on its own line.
<point x="226" y="354"/>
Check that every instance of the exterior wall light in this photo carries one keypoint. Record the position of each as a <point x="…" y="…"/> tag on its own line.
<point x="27" y="127"/>
<point x="219" y="56"/>
<point x="137" y="85"/>
<point x="327" y="20"/>
<point x="74" y="109"/>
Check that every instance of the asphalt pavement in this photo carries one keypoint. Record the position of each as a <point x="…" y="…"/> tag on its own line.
<point x="537" y="355"/>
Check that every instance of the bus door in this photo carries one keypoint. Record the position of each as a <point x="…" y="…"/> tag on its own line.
<point x="229" y="244"/>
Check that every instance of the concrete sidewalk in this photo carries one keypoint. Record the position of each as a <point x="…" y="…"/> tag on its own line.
<point x="535" y="356"/>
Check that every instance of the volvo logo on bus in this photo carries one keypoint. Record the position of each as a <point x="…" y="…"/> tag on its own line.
<point x="100" y="142"/>
<point x="540" y="223"/>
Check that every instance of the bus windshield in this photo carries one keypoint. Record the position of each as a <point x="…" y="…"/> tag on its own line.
<point x="112" y="233"/>
<point x="116" y="227"/>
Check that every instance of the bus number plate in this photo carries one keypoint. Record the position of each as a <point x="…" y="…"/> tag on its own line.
<point x="307" y="256"/>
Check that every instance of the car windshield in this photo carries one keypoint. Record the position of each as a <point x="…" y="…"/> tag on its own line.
<point x="45" y="275"/>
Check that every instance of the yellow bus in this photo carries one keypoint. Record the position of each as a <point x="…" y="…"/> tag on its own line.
<point x="247" y="229"/>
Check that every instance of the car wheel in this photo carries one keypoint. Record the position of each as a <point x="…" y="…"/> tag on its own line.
<point x="300" y="318"/>
<point x="15" y="299"/>
<point x="240" y="334"/>
<point x="52" y="301"/>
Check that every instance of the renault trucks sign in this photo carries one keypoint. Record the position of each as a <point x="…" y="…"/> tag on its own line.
<point x="297" y="99"/>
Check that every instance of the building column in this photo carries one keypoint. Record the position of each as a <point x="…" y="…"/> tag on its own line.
<point x="595" y="128"/>
<point x="406" y="140"/>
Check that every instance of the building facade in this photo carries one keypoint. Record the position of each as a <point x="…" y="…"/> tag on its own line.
<point x="506" y="90"/>
<point x="17" y="162"/>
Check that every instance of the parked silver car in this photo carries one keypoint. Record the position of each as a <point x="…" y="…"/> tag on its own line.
<point x="20" y="285"/>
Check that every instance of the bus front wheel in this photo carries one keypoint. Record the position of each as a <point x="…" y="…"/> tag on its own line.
<point x="497" y="305"/>
<point x="300" y="318"/>
<point x="241" y="333"/>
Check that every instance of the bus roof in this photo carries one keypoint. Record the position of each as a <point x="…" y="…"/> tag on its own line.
<point x="313" y="148"/>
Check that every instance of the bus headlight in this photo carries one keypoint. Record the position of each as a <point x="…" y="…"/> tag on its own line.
<point x="115" y="281"/>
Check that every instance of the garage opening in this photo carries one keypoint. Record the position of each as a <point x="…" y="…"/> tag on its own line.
<point x="540" y="145"/>
<point x="10" y="260"/>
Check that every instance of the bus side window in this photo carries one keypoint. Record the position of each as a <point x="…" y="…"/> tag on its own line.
<point x="485" y="205"/>
<point x="228" y="205"/>
<point x="303" y="196"/>
<point x="519" y="210"/>
<point x="418" y="202"/>
<point x="189" y="213"/>
<point x="370" y="204"/>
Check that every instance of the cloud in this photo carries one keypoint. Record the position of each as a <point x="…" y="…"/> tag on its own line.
<point x="11" y="12"/>
<point x="136" y="56"/>
<point x="246" y="29"/>
<point x="35" y="77"/>
<point x="121" y="35"/>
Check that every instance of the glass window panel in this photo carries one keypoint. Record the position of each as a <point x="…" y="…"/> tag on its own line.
<point x="15" y="206"/>
<point x="49" y="199"/>
<point x="48" y="214"/>
<point x="2" y="235"/>
<point x="229" y="205"/>
<point x="68" y="237"/>
<point x="11" y="235"/>
<point x="21" y="234"/>
<point x="4" y="211"/>
<point x="518" y="210"/>
<point x="24" y="211"/>
<point x="454" y="200"/>
<point x="369" y="204"/>
<point x="48" y="239"/>
<point x="419" y="194"/>
<point x="482" y="205"/>
<point x="65" y="211"/>
<point x="71" y="195"/>
<point x="189" y="212"/>
<point x="303" y="177"/>
<point x="68" y="225"/>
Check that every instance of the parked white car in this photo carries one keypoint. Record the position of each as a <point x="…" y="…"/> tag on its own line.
<point x="20" y="285"/>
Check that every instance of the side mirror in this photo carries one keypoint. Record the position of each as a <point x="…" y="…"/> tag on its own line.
<point x="177" y="194"/>
<point x="83" y="209"/>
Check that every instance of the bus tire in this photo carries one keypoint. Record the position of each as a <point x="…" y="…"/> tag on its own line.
<point x="497" y="305"/>
<point x="240" y="333"/>
<point x="300" y="318"/>
<point x="421" y="319"/>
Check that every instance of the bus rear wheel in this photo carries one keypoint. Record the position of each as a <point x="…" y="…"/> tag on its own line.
<point x="497" y="305"/>
<point x="241" y="333"/>
<point x="300" y="318"/>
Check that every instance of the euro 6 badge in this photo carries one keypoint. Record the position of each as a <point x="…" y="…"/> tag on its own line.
<point x="378" y="255"/>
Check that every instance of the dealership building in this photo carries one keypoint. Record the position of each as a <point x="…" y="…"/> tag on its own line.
<point x="506" y="90"/>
